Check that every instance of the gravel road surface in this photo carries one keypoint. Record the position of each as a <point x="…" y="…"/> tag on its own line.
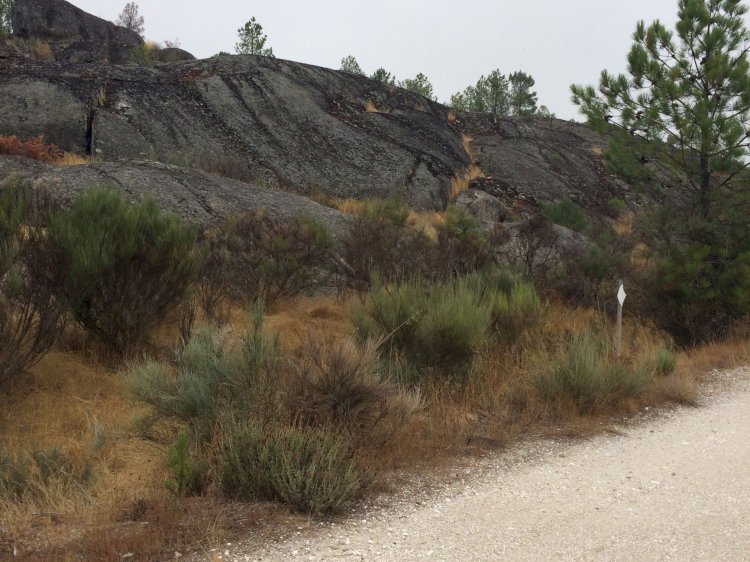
<point x="672" y="488"/>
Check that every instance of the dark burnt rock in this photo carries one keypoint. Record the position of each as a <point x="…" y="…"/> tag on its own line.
<point x="298" y="127"/>
<point x="281" y="124"/>
<point x="72" y="34"/>
<point x="195" y="196"/>
<point x="545" y="160"/>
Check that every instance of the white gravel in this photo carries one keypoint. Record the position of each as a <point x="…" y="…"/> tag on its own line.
<point x="672" y="488"/>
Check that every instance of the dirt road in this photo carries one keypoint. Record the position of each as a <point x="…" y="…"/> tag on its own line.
<point x="674" y="488"/>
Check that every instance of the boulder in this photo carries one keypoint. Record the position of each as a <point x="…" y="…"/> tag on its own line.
<point x="483" y="206"/>
<point x="172" y="54"/>
<point x="72" y="34"/>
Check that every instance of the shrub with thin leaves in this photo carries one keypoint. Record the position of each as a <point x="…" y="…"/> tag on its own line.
<point x="432" y="325"/>
<point x="120" y="268"/>
<point x="514" y="304"/>
<point x="345" y="386"/>
<point x="254" y="255"/>
<point x="311" y="470"/>
<point x="30" y="319"/>
<point x="566" y="213"/>
<point x="585" y="370"/>
<point x="213" y="377"/>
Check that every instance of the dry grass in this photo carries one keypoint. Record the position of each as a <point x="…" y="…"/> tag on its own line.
<point x="349" y="206"/>
<point x="370" y="107"/>
<point x="72" y="159"/>
<point x="625" y="224"/>
<point x="325" y="318"/>
<point x="460" y="183"/>
<point x="37" y="149"/>
<point x="76" y="405"/>
<point x="426" y="222"/>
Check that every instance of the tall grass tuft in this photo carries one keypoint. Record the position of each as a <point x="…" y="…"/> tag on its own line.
<point x="431" y="325"/>
<point x="585" y="370"/>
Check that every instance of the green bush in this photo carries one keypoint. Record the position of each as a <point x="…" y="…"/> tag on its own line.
<point x="391" y="210"/>
<point x="213" y="378"/>
<point x="566" y="213"/>
<point x="311" y="470"/>
<point x="515" y="312"/>
<point x="30" y="319"/>
<point x="665" y="362"/>
<point x="585" y="370"/>
<point x="432" y="325"/>
<point x="120" y="268"/>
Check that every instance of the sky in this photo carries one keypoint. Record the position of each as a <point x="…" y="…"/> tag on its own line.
<point x="558" y="42"/>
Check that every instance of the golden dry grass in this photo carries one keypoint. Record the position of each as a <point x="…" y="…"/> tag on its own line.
<point x="370" y="107"/>
<point x="72" y="159"/>
<point x="426" y="222"/>
<point x="460" y="183"/>
<point x="68" y="400"/>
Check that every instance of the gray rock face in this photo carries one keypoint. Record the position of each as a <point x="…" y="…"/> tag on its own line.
<point x="196" y="196"/>
<point x="539" y="159"/>
<point x="73" y="35"/>
<point x="292" y="126"/>
<point x="284" y="125"/>
<point x="483" y="206"/>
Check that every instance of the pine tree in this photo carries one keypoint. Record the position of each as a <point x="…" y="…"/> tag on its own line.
<point x="252" y="41"/>
<point x="131" y="19"/>
<point x="421" y="85"/>
<point x="382" y="75"/>
<point x="687" y="95"/>
<point x="499" y="95"/>
<point x="350" y="64"/>
<point x="679" y="122"/>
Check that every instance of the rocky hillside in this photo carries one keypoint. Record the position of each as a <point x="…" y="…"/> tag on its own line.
<point x="285" y="125"/>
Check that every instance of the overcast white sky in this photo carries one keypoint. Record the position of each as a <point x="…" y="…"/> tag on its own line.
<point x="558" y="42"/>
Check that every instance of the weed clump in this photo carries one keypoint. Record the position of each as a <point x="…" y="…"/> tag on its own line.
<point x="585" y="370"/>
<point x="312" y="470"/>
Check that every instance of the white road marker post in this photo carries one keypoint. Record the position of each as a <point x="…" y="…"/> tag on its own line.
<point x="618" y="337"/>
